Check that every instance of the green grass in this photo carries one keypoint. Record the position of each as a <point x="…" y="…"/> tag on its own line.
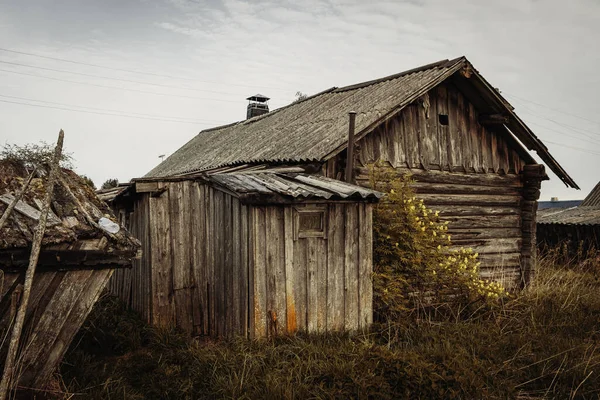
<point x="542" y="343"/>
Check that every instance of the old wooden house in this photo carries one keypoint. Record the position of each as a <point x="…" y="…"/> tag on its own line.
<point x="252" y="254"/>
<point x="442" y="123"/>
<point x="75" y="264"/>
<point x="578" y="228"/>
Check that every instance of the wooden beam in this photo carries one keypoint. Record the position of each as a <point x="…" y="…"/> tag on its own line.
<point x="493" y="119"/>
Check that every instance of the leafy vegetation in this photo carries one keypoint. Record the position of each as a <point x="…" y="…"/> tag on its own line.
<point x="110" y="183"/>
<point x="34" y="155"/>
<point x="414" y="267"/>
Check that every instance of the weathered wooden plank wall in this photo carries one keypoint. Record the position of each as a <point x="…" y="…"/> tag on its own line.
<point x="59" y="303"/>
<point x="194" y="268"/>
<point x="463" y="169"/>
<point x="416" y="138"/>
<point x="217" y="267"/>
<point x="133" y="285"/>
<point x="313" y="284"/>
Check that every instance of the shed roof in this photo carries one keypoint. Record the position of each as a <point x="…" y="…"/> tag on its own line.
<point x="593" y="198"/>
<point x="269" y="187"/>
<point x="570" y="216"/>
<point x="316" y="128"/>
<point x="68" y="230"/>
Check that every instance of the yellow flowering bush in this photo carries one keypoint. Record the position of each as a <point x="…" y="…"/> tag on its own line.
<point x="414" y="266"/>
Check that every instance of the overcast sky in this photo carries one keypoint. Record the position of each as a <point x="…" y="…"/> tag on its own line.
<point x="171" y="68"/>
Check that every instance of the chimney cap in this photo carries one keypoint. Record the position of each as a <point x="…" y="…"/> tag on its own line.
<point x="258" y="97"/>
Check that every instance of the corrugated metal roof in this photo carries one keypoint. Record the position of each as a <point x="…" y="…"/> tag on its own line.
<point x="593" y="199"/>
<point x="316" y="128"/>
<point x="109" y="194"/>
<point x="307" y="130"/>
<point x="570" y="216"/>
<point x="266" y="186"/>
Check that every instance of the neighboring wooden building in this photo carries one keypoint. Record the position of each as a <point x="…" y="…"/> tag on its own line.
<point x="252" y="254"/>
<point x="443" y="123"/>
<point x="578" y="228"/>
<point x="75" y="263"/>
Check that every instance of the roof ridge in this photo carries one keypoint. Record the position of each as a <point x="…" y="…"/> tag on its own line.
<point x="437" y="64"/>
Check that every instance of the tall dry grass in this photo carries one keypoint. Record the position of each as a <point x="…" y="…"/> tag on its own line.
<point x="542" y="344"/>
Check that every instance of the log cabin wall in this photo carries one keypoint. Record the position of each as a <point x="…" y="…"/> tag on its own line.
<point x="214" y="266"/>
<point x="471" y="173"/>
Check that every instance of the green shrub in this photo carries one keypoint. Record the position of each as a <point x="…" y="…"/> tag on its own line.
<point x="414" y="267"/>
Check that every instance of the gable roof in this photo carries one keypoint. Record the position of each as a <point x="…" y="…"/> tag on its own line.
<point x="316" y="129"/>
<point x="593" y="199"/>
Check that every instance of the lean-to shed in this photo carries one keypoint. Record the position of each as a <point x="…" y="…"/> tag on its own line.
<point x="461" y="140"/>
<point x="576" y="227"/>
<point x="76" y="261"/>
<point x="252" y="254"/>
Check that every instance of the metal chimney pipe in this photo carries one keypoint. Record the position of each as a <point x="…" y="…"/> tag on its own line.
<point x="350" y="149"/>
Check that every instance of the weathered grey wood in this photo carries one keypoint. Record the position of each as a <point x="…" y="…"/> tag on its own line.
<point x="162" y="277"/>
<point x="288" y="237"/>
<point x="260" y="278"/>
<point x="311" y="279"/>
<point x="9" y="372"/>
<point x="481" y="211"/>
<point x="441" y="102"/>
<point x="475" y="221"/>
<point x="335" y="271"/>
<point x="252" y="251"/>
<point x="210" y="261"/>
<point x="484" y="233"/>
<point x="180" y="256"/>
<point x="321" y="253"/>
<point x="15" y="200"/>
<point x="301" y="282"/>
<point x="365" y="266"/>
<point x="199" y="243"/>
<point x="236" y="277"/>
<point x="244" y="271"/>
<point x="76" y="316"/>
<point x="351" y="303"/>
<point x="438" y="188"/>
<point x="40" y="344"/>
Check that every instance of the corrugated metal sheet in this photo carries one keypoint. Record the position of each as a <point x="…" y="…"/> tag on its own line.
<point x="593" y="199"/>
<point x="296" y="186"/>
<point x="307" y="130"/>
<point x="109" y="194"/>
<point x="570" y="216"/>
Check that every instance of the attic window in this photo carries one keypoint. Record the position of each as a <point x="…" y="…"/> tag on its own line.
<point x="309" y="222"/>
<point x="443" y="119"/>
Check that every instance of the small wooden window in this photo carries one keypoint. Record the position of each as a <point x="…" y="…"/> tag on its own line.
<point x="310" y="222"/>
<point x="443" y="119"/>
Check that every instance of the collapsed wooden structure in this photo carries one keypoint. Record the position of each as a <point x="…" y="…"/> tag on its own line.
<point x="576" y="228"/>
<point x="76" y="260"/>
<point x="252" y="254"/>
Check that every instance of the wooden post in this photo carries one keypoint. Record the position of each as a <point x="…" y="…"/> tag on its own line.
<point x="18" y="197"/>
<point x="9" y="365"/>
<point x="350" y="149"/>
<point x="533" y="175"/>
